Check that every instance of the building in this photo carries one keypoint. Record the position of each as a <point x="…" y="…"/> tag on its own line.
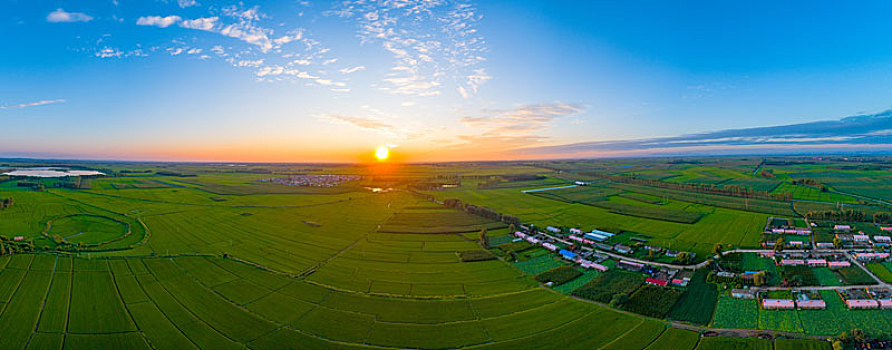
<point x="743" y="294"/>
<point x="532" y="240"/>
<point x="603" y="233"/>
<point x="838" y="264"/>
<point x="816" y="262"/>
<point x="886" y="228"/>
<point x="520" y="234"/>
<point x="672" y="253"/>
<point x="842" y="228"/>
<point x="886" y="303"/>
<point x="845" y="237"/>
<point x="596" y="237"/>
<point x="811" y="304"/>
<point x="576" y="238"/>
<point x="591" y="265"/>
<point x="550" y="246"/>
<point x="773" y="304"/>
<point x="656" y="282"/>
<point x="792" y="262"/>
<point x="576" y="231"/>
<point x="553" y="229"/>
<point x="825" y="245"/>
<point x="862" y="304"/>
<point x="882" y="239"/>
<point x="603" y="246"/>
<point x="623" y="249"/>
<point x="568" y="254"/>
<point x="861" y="238"/>
<point x="871" y="256"/>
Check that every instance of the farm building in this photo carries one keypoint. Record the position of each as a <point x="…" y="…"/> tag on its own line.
<point x="624" y="249"/>
<point x="603" y="246"/>
<point x="796" y="243"/>
<point x="532" y="240"/>
<point x="576" y="231"/>
<point x="838" y="264"/>
<point x="656" y="282"/>
<point x="743" y="294"/>
<point x="792" y="262"/>
<point x="882" y="239"/>
<point x="860" y="238"/>
<point x="816" y="262"/>
<point x="596" y="237"/>
<point x="886" y="303"/>
<point x="568" y="254"/>
<point x="683" y="282"/>
<point x="18" y="238"/>
<point x="886" y="228"/>
<point x="553" y="229"/>
<point x="825" y="245"/>
<point x="520" y="234"/>
<point x="862" y="304"/>
<point x="603" y="233"/>
<point x="772" y="304"/>
<point x="842" y="228"/>
<point x="550" y="246"/>
<point x="654" y="249"/>
<point x="811" y="304"/>
<point x="628" y="265"/>
<point x="871" y="256"/>
<point x="576" y="238"/>
<point x="672" y="253"/>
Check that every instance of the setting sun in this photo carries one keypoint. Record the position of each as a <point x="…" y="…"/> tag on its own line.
<point x="381" y="153"/>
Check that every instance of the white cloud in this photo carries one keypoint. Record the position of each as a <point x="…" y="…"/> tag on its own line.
<point x="61" y="16"/>
<point x="249" y="63"/>
<point x="31" y="104"/>
<point x="352" y="69"/>
<point x="206" y="24"/>
<point x="187" y="3"/>
<point x="521" y="121"/>
<point x="175" y="51"/>
<point x="108" y="52"/>
<point x="194" y="51"/>
<point x="158" y="21"/>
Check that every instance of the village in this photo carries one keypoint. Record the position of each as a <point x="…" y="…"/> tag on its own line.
<point x="786" y="274"/>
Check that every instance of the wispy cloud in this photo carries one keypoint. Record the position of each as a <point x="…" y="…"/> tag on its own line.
<point x="431" y="42"/>
<point x="856" y="130"/>
<point x="187" y="3"/>
<point x="62" y="16"/>
<point x="350" y="70"/>
<point x="30" y="104"/>
<point x="158" y="21"/>
<point x="520" y="121"/>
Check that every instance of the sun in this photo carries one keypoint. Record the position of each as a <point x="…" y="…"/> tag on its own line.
<point x="381" y="153"/>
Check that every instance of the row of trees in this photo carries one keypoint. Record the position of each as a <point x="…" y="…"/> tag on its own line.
<point x="726" y="190"/>
<point x="485" y="212"/>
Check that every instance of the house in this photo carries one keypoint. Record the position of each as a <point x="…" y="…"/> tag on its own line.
<point x="18" y="238"/>
<point x="816" y="262"/>
<point x="886" y="303"/>
<point x="520" y="234"/>
<point x="532" y="240"/>
<point x="845" y="238"/>
<point x="576" y="231"/>
<point x="862" y="304"/>
<point x="549" y="246"/>
<point x="576" y="238"/>
<point x="811" y="304"/>
<point x="654" y="249"/>
<point x="825" y="245"/>
<point x="623" y="249"/>
<point x="553" y="229"/>
<point x="796" y="243"/>
<point x="792" y="262"/>
<point x="580" y="183"/>
<point x="680" y="282"/>
<point x="628" y="265"/>
<point x="838" y="264"/>
<point x="871" y="256"/>
<point x="638" y="239"/>
<point x="772" y="304"/>
<point x="861" y="238"/>
<point x="603" y="246"/>
<point x="886" y="228"/>
<point x="842" y="228"/>
<point x="656" y="282"/>
<point x="590" y="265"/>
<point x="882" y="239"/>
<point x="672" y="253"/>
<point x="743" y="294"/>
<point x="568" y="254"/>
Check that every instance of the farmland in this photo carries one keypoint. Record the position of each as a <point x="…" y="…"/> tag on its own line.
<point x="223" y="260"/>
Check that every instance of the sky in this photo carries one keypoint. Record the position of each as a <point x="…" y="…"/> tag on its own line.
<point x="441" y="80"/>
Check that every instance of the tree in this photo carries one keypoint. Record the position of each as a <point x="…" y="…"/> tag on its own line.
<point x="512" y="256"/>
<point x="838" y="345"/>
<point x="618" y="300"/>
<point x="717" y="249"/>
<point x="682" y="258"/>
<point x="484" y="240"/>
<point x="859" y="335"/>
<point x="512" y="228"/>
<point x="837" y="242"/>
<point x="759" y="278"/>
<point x="2" y="248"/>
<point x="779" y="245"/>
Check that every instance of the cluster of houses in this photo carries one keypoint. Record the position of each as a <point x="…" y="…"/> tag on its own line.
<point x="869" y="298"/>
<point x="657" y="276"/>
<point x="589" y="260"/>
<point x="326" y="180"/>
<point x="833" y="261"/>
<point x="801" y="300"/>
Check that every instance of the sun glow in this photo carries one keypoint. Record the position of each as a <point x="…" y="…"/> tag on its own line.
<point x="381" y="153"/>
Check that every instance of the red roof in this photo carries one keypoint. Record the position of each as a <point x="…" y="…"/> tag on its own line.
<point x="655" y="281"/>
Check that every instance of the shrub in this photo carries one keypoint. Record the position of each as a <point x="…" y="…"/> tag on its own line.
<point x="475" y="255"/>
<point x="559" y="275"/>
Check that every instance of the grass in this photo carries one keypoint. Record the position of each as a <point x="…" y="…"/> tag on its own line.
<point x="736" y="313"/>
<point x="881" y="270"/>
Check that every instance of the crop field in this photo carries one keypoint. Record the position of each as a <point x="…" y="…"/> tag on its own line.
<point x="720" y="343"/>
<point x="881" y="270"/>
<point x="698" y="302"/>
<point x="736" y="313"/>
<point x="675" y="339"/>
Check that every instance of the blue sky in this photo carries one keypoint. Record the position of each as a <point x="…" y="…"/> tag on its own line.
<point x="437" y="80"/>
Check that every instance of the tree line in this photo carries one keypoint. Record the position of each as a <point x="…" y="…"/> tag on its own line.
<point x="850" y="215"/>
<point x="485" y="212"/>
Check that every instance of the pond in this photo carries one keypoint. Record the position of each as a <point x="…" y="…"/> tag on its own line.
<point x="50" y="172"/>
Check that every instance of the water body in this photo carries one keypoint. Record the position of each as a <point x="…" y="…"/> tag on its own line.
<point x="50" y="172"/>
